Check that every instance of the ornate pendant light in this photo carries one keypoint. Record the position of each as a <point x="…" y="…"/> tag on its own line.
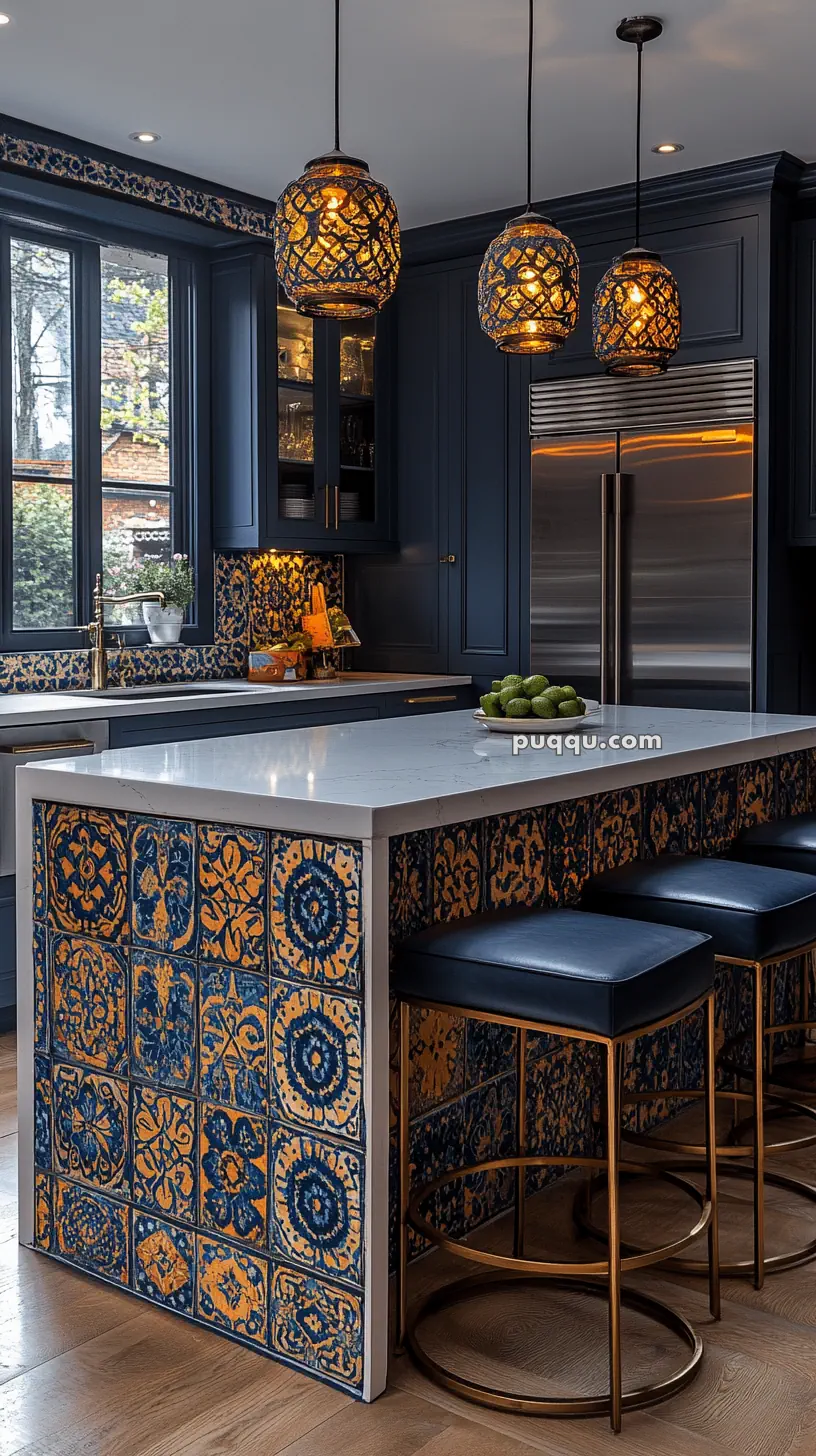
<point x="528" y="281"/>
<point x="636" y="313"/>
<point x="337" y="238"/>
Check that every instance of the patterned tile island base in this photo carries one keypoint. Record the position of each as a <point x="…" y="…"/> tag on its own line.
<point x="199" y="1129"/>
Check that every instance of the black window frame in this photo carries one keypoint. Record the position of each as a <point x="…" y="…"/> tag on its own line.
<point x="188" y="269"/>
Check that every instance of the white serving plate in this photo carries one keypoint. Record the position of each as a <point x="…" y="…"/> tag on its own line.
<point x="532" y="724"/>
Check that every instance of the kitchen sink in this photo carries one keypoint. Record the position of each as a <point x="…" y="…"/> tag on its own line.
<point x="170" y="690"/>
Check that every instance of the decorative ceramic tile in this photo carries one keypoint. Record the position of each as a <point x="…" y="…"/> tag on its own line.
<point x="43" y="672"/>
<point x="811" y="777"/>
<point x="281" y="583"/>
<point x="232" y="896"/>
<point x="42" y="1112"/>
<point x="163" y="1262"/>
<point x="437" y="1058"/>
<point x="317" y="1202"/>
<point x="671" y="817"/>
<point x="657" y="1065"/>
<point x="490" y="1051"/>
<point x="232" y="577"/>
<point x="791" y="784"/>
<point x="232" y="1289"/>
<point x="38" y="887"/>
<point x="560" y="1100"/>
<point x="436" y="1144"/>
<point x="163" y="1048"/>
<point x="163" y="884"/>
<point x="457" y="870"/>
<point x="164" y="1152"/>
<point x="42" y="1019"/>
<point x="91" y="1231"/>
<point x="317" y="1325"/>
<point x="314" y="910"/>
<point x="691" y="1072"/>
<point x="317" y="1062"/>
<point x="719" y="810"/>
<point x="516" y="859"/>
<point x="616" y="828"/>
<point x="756" y="793"/>
<point x="91" y="1128"/>
<point x="490" y="1132"/>
<point x="233" y="1173"/>
<point x="178" y="663"/>
<point x="87" y="879"/>
<point x="43" y="1211"/>
<point x="411" y="893"/>
<point x="234" y="1038"/>
<point x="569" y="836"/>
<point x="89" y="991"/>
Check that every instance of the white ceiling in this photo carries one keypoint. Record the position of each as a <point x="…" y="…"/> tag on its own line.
<point x="432" y="91"/>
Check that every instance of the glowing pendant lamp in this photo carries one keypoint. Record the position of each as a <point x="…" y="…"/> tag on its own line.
<point x="636" y="313"/>
<point x="528" y="281"/>
<point x="337" y="237"/>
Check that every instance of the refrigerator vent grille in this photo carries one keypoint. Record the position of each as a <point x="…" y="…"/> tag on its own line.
<point x="721" y="393"/>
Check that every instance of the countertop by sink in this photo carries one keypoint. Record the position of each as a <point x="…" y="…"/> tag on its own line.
<point x="25" y="709"/>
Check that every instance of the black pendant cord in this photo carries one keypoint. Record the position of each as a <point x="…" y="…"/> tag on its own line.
<point x="637" y="141"/>
<point x="337" y="75"/>
<point x="530" y="112"/>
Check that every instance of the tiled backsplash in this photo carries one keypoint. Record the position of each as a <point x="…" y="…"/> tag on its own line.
<point x="258" y="597"/>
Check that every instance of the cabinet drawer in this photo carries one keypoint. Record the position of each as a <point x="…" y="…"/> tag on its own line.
<point x="133" y="732"/>
<point x="428" y="700"/>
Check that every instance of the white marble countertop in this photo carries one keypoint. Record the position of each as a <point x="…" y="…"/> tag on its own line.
<point x="19" y="710"/>
<point x="366" y="780"/>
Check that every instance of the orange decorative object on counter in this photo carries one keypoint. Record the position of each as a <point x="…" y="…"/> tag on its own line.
<point x="281" y="664"/>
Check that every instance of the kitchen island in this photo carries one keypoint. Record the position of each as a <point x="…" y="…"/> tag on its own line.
<point x="206" y="1070"/>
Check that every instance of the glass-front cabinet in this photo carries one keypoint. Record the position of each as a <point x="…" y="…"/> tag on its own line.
<point x="315" y="477"/>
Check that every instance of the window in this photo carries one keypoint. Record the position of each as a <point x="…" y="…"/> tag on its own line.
<point x="96" y="392"/>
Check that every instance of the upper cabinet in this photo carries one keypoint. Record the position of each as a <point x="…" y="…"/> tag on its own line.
<point x="299" y="439"/>
<point x="803" y="494"/>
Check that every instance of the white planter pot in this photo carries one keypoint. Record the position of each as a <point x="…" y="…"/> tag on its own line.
<point x="163" y="623"/>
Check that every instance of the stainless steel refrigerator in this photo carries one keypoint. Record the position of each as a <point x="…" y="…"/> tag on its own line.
<point x="642" y="536"/>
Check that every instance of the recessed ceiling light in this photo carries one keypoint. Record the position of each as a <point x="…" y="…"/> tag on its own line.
<point x="666" y="148"/>
<point x="5" y="19"/>
<point x="145" y="136"/>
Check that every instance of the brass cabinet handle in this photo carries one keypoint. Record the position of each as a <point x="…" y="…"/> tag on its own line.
<point x="447" y="560"/>
<point x="337" y="508"/>
<point x="435" y="698"/>
<point x="70" y="746"/>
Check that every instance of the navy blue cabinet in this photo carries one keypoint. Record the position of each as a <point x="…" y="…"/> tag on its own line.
<point x="803" y="494"/>
<point x="295" y="406"/>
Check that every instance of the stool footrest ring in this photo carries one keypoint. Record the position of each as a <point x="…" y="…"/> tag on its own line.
<point x="778" y="1107"/>
<point x="543" y="1405"/>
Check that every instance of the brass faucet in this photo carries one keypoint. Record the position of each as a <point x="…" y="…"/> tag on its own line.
<point x="96" y="629"/>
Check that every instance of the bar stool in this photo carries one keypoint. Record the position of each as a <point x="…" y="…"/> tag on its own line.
<point x="757" y="917"/>
<point x="571" y="975"/>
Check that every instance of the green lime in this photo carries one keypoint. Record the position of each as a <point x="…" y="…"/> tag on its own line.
<point x="496" y="685"/>
<point x="569" y="708"/>
<point x="555" y="695"/>
<point x="532" y="686"/>
<point x="508" y="693"/>
<point x="512" y="680"/>
<point x="544" y="707"/>
<point x="581" y="704"/>
<point x="517" y="707"/>
<point x="490" y="705"/>
<point x="568" y="691"/>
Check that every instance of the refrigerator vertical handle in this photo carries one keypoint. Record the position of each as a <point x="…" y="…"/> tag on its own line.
<point x="617" y="584"/>
<point x="606" y="482"/>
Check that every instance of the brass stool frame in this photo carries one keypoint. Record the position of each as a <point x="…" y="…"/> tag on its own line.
<point x="757" y="1150"/>
<point x="600" y="1276"/>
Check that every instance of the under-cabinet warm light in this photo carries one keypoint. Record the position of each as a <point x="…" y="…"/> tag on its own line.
<point x="145" y="136"/>
<point x="4" y="19"/>
<point x="665" y="149"/>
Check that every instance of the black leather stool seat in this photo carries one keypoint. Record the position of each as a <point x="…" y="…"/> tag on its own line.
<point x="558" y="966"/>
<point x="784" y="844"/>
<point x="752" y="913"/>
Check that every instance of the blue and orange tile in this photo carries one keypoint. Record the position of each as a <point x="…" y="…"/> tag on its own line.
<point x="89" y="997"/>
<point x="719" y="810"/>
<point x="671" y="816"/>
<point x="232" y="587"/>
<point x="232" y="875"/>
<point x="791" y="784"/>
<point x="86" y="871"/>
<point x="234" y="1038"/>
<point x="91" y="1231"/>
<point x="457" y="870"/>
<point x="411" y="884"/>
<point x="616" y="828"/>
<point x="516" y="859"/>
<point x="569" y="837"/>
<point x="42" y="1018"/>
<point x="163" y="1025"/>
<point x="490" y="1051"/>
<point x="164" y="1152"/>
<point x="43" y="1211"/>
<point x="315" y="911"/>
<point x="317" y="1059"/>
<point x="90" y="1117"/>
<point x="163" y="1262"/>
<point x="437" y="1071"/>
<point x="490" y="1132"/>
<point x="38" y="874"/>
<point x="42" y="1112"/>
<point x="317" y="1325"/>
<point x="162" y="876"/>
<point x="756" y="793"/>
<point x="233" y="1171"/>
<point x="436" y="1143"/>
<point x="232" y="1289"/>
<point x="317" y="1200"/>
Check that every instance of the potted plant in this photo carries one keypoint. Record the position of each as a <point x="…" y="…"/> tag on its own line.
<point x="176" y="579"/>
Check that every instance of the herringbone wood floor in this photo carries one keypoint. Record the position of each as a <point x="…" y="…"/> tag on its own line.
<point x="86" y="1371"/>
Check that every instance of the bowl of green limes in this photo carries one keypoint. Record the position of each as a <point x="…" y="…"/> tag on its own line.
<point x="517" y="704"/>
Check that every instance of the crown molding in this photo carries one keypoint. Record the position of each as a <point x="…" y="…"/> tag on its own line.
<point x="612" y="207"/>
